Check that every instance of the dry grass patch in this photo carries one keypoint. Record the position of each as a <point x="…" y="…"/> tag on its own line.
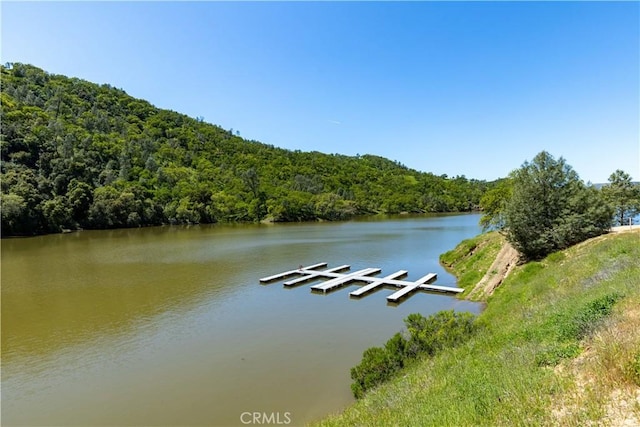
<point x="605" y="378"/>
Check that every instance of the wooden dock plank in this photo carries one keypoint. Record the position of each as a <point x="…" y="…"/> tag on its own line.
<point x="291" y="272"/>
<point x="316" y="274"/>
<point x="358" y="275"/>
<point x="380" y="282"/>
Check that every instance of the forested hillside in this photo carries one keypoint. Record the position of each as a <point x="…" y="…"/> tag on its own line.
<point x="78" y="154"/>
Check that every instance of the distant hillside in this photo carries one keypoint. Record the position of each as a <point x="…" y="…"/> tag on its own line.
<point x="601" y="184"/>
<point x="78" y="154"/>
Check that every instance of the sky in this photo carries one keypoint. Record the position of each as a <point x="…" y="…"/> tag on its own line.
<point x="456" y="88"/>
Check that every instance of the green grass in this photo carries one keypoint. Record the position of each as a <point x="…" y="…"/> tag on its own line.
<point x="557" y="337"/>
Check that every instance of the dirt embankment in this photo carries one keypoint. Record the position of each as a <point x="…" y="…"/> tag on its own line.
<point x="499" y="270"/>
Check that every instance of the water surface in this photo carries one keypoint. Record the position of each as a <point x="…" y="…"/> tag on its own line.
<point x="170" y="326"/>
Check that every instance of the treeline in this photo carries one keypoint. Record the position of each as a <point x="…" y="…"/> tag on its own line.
<point x="77" y="154"/>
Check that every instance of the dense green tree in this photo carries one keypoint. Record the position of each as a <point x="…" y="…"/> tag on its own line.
<point x="493" y="204"/>
<point x="585" y="216"/>
<point x="57" y="214"/>
<point x="551" y="208"/>
<point x="114" y="208"/>
<point x="14" y="211"/>
<point x="80" y="197"/>
<point x="623" y="196"/>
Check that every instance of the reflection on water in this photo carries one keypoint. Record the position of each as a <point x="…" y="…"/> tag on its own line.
<point x="169" y="325"/>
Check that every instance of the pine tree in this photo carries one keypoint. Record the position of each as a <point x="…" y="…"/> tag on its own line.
<point x="551" y="208"/>
<point x="623" y="196"/>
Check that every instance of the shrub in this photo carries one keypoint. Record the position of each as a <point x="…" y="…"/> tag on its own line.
<point x="587" y="317"/>
<point x="376" y="367"/>
<point x="554" y="355"/>
<point x="427" y="336"/>
<point x="434" y="333"/>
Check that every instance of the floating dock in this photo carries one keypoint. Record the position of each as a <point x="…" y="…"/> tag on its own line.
<point x="338" y="279"/>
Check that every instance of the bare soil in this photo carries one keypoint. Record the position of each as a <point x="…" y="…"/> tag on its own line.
<point x="506" y="259"/>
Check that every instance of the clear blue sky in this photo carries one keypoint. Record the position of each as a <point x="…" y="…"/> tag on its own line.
<point x="448" y="87"/>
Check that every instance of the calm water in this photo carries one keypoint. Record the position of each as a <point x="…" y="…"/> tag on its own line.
<point x="170" y="326"/>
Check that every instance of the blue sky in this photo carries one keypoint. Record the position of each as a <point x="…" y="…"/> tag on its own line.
<point x="451" y="88"/>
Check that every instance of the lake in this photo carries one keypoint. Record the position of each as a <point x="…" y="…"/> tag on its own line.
<point x="170" y="325"/>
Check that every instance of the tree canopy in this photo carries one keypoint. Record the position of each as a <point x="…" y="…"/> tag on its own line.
<point x="623" y="196"/>
<point x="550" y="208"/>
<point x="79" y="154"/>
<point x="493" y="204"/>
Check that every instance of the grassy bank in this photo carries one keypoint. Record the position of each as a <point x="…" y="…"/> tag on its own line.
<point x="470" y="260"/>
<point x="558" y="344"/>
